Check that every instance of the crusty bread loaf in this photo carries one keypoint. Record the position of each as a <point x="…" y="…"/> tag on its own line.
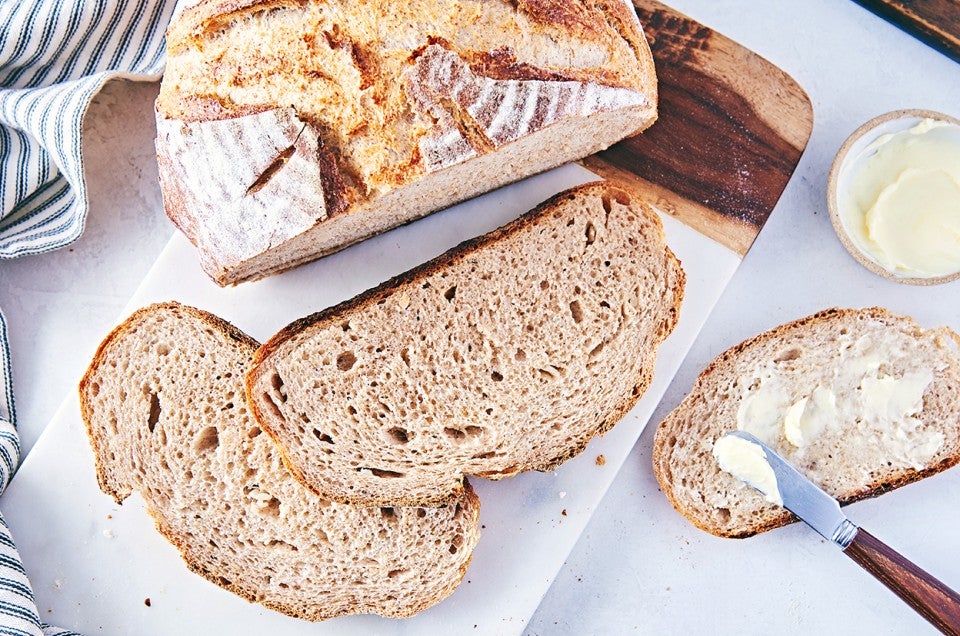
<point x="164" y="409"/>
<point x="289" y="129"/>
<point x="879" y="406"/>
<point x="507" y="353"/>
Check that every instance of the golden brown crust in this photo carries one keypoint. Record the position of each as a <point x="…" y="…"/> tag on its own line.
<point x="413" y="277"/>
<point x="358" y="175"/>
<point x="660" y="458"/>
<point x="210" y="15"/>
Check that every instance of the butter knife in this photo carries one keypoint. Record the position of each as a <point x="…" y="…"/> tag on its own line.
<point x="928" y="596"/>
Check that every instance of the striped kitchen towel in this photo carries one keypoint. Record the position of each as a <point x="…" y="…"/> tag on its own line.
<point x="55" y="55"/>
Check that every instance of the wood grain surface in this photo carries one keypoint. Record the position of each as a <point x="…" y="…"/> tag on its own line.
<point x="935" y="22"/>
<point x="731" y="130"/>
<point x="929" y="597"/>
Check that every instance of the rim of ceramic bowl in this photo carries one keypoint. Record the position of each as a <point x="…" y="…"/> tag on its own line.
<point x="833" y="204"/>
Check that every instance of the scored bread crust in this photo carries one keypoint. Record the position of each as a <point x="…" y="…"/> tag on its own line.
<point x="469" y="108"/>
<point x="671" y="467"/>
<point x="464" y="521"/>
<point x="285" y="342"/>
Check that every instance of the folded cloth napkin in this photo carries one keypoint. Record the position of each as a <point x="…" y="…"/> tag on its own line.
<point x="55" y="55"/>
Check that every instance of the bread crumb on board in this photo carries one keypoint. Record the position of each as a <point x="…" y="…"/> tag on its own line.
<point x="564" y="512"/>
<point x="147" y="602"/>
<point x="601" y="460"/>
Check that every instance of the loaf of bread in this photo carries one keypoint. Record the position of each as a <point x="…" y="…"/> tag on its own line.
<point x="164" y="409"/>
<point x="861" y="401"/>
<point x="289" y="129"/>
<point x="507" y="353"/>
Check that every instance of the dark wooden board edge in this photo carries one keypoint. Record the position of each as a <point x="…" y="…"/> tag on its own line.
<point x="936" y="23"/>
<point x="731" y="130"/>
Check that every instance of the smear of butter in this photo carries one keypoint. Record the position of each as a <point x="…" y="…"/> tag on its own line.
<point x="747" y="462"/>
<point x="859" y="405"/>
<point x="901" y="203"/>
<point x="807" y="418"/>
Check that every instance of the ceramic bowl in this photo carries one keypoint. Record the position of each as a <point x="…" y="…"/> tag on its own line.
<point x="850" y="153"/>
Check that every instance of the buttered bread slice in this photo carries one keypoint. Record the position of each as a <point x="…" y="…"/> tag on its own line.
<point x="507" y="353"/>
<point x="861" y="401"/>
<point x="164" y="409"/>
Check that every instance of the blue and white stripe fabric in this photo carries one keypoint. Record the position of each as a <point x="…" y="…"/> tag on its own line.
<point x="55" y="55"/>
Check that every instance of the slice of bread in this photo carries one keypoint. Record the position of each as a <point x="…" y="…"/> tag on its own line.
<point x="164" y="409"/>
<point x="287" y="130"/>
<point x="861" y="401"/>
<point x="507" y="353"/>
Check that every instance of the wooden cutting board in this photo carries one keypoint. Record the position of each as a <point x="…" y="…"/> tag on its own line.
<point x="934" y="22"/>
<point x="730" y="132"/>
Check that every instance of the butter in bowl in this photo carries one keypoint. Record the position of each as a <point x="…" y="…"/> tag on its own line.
<point x="894" y="196"/>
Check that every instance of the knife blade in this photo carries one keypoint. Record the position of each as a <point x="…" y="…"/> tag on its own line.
<point x="803" y="498"/>
<point x="928" y="596"/>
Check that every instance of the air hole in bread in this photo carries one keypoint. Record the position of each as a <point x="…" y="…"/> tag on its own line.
<point x="473" y="431"/>
<point x="544" y="284"/>
<point x="405" y="356"/>
<point x="496" y="376"/>
<point x="346" y="360"/>
<point x="271" y="507"/>
<point x="451" y="293"/>
<point x="381" y="473"/>
<point x="398" y="435"/>
<point x="277" y="383"/>
<point x="274" y="409"/>
<point x="596" y="350"/>
<point x="788" y="354"/>
<point x="591" y="233"/>
<point x="576" y="311"/>
<point x="388" y="513"/>
<point x="392" y="574"/>
<point x="546" y="374"/>
<point x="253" y="432"/>
<point x="487" y="455"/>
<point x="453" y="549"/>
<point x="163" y="349"/>
<point x="421" y="513"/>
<point x="724" y="514"/>
<point x="520" y="355"/>
<point x="323" y="437"/>
<point x="207" y="440"/>
<point x="454" y="433"/>
<point x="154" y="416"/>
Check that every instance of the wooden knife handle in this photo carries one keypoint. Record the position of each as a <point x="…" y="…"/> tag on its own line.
<point x="932" y="599"/>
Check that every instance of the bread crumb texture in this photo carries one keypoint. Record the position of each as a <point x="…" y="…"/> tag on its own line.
<point x="506" y="354"/>
<point x="163" y="402"/>
<point x="861" y="401"/>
